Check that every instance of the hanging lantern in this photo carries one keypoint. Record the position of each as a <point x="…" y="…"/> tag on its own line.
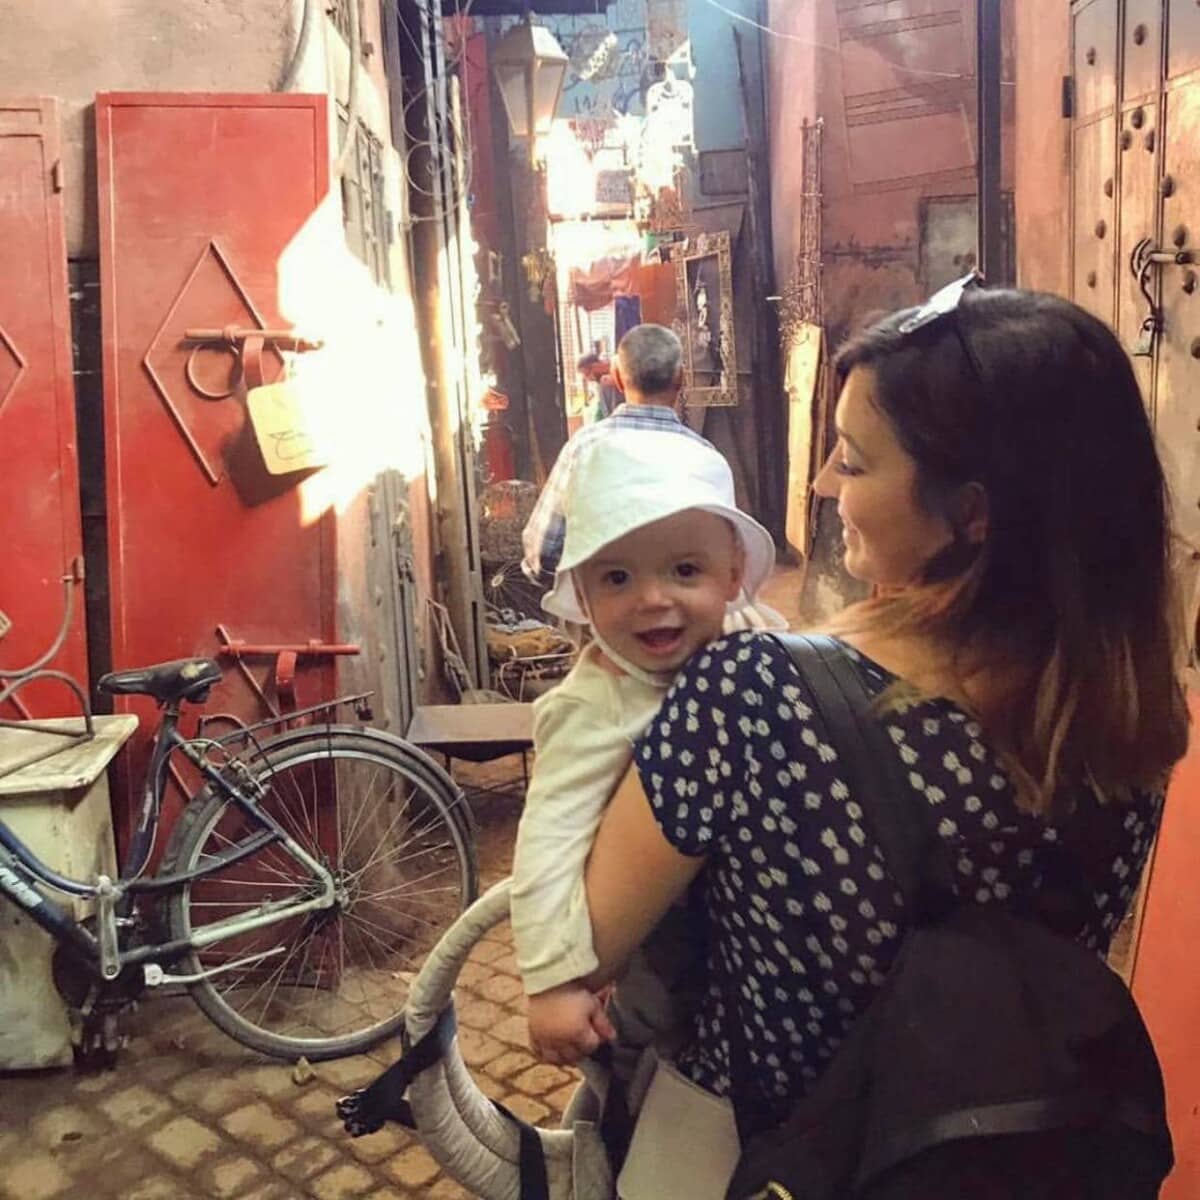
<point x="530" y="66"/>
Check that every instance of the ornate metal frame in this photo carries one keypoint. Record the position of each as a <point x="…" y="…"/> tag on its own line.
<point x="698" y="392"/>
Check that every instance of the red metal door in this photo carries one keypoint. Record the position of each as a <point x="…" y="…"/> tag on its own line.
<point x="200" y="196"/>
<point x="39" y="516"/>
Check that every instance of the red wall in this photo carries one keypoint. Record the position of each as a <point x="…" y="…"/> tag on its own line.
<point x="898" y="102"/>
<point x="794" y="78"/>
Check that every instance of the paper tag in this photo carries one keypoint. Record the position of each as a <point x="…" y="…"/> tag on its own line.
<point x="285" y="426"/>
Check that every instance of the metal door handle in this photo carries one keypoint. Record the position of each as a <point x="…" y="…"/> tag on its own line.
<point x="247" y="344"/>
<point x="1167" y="258"/>
<point x="232" y="335"/>
<point x="1145" y="257"/>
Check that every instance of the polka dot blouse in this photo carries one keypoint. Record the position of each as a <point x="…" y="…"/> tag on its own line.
<point x="804" y="918"/>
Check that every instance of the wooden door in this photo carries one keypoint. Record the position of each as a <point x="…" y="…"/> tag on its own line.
<point x="39" y="518"/>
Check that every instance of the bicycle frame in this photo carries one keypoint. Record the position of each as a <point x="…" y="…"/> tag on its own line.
<point x="24" y="877"/>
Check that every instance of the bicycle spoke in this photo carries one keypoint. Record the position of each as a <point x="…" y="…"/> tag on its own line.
<point x="400" y="889"/>
<point x="349" y="836"/>
<point x="276" y="802"/>
<point x="363" y="929"/>
<point x="314" y="844"/>
<point x="271" y="857"/>
<point x="406" y="853"/>
<point x="359" y="815"/>
<point x="414" y="836"/>
<point x="276" y="976"/>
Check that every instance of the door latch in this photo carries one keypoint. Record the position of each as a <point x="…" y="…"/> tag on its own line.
<point x="1145" y="257"/>
<point x="247" y="346"/>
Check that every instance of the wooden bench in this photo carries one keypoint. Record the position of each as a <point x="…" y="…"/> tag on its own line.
<point x="475" y="733"/>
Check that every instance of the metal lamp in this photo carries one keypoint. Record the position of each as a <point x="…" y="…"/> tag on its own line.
<point x="529" y="65"/>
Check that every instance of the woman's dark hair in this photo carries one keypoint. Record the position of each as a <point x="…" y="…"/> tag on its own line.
<point x="1062" y="616"/>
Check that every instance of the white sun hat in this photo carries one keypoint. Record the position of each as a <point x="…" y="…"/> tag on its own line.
<point x="633" y="477"/>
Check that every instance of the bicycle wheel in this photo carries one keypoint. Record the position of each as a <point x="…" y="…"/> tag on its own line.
<point x="332" y="981"/>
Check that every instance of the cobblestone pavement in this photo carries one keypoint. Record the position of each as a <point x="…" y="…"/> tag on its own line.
<point x="188" y="1114"/>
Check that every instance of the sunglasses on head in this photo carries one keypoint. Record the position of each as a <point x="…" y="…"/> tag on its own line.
<point x="944" y="303"/>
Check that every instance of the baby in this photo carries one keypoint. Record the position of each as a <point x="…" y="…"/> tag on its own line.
<point x="657" y="562"/>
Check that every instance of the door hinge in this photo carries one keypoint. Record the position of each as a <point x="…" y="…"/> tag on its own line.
<point x="1068" y="96"/>
<point x="56" y="176"/>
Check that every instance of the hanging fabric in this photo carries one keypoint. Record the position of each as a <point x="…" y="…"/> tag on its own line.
<point x="627" y="312"/>
<point x="595" y="286"/>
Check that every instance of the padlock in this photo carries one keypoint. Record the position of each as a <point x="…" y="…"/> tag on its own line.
<point x="289" y="426"/>
<point x="1144" y="346"/>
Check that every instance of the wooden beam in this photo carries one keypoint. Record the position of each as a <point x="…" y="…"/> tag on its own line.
<point x="437" y="284"/>
<point x="988" y="69"/>
<point x="512" y="377"/>
<point x="769" y="399"/>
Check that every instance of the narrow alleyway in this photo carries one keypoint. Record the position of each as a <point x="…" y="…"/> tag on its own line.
<point x="304" y="300"/>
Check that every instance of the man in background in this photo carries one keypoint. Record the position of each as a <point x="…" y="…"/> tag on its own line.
<point x="646" y="378"/>
<point x="596" y="369"/>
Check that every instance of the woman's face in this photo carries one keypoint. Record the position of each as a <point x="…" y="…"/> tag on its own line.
<point x="889" y="537"/>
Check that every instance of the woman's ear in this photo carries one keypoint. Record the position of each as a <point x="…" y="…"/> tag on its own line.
<point x="972" y="515"/>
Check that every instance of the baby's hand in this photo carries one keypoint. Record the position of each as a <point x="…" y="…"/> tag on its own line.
<point x="567" y="1023"/>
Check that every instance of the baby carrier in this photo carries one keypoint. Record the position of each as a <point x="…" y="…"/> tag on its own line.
<point x="489" y="1151"/>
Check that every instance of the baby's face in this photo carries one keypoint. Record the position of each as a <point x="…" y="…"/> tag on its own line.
<point x="659" y="593"/>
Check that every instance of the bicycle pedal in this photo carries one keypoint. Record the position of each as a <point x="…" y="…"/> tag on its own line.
<point x="357" y="1122"/>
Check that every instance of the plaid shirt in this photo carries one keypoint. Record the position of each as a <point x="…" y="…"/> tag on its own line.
<point x="547" y="526"/>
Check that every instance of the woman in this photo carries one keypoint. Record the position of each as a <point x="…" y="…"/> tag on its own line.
<point x="998" y="486"/>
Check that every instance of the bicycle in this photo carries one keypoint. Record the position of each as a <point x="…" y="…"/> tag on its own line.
<point x="299" y="890"/>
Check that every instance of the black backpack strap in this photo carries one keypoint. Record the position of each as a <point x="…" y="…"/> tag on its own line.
<point x="615" y="1123"/>
<point x="369" y="1109"/>
<point x="871" y="765"/>
<point x="535" y="1183"/>
<point x="866" y="754"/>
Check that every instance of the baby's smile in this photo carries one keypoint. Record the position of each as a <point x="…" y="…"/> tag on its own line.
<point x="662" y="640"/>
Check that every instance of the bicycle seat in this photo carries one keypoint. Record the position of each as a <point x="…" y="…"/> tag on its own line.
<point x="184" y="679"/>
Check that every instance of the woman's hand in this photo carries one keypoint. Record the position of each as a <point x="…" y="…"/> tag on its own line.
<point x="567" y="1023"/>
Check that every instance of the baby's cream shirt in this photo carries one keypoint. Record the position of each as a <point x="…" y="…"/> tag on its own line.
<point x="583" y="733"/>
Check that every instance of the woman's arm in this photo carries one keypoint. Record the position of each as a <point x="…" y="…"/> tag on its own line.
<point x="633" y="876"/>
